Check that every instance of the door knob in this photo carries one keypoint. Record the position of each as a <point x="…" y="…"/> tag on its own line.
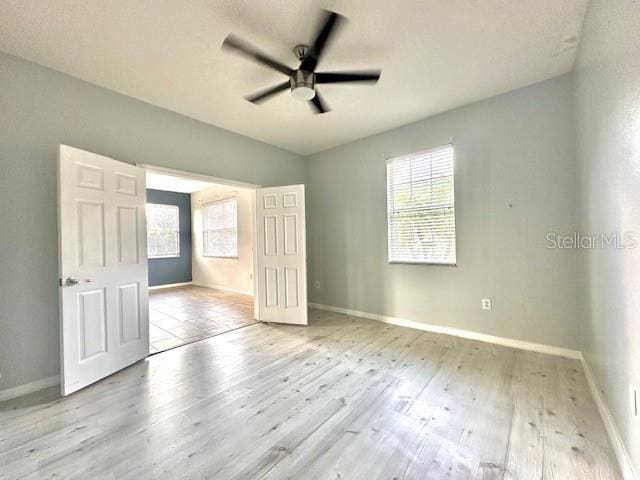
<point x="71" y="281"/>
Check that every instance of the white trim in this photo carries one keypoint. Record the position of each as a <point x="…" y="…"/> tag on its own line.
<point x="27" y="388"/>
<point x="225" y="289"/>
<point x="170" y="285"/>
<point x="456" y="332"/>
<point x="197" y="176"/>
<point x="617" y="444"/>
<point x="254" y="256"/>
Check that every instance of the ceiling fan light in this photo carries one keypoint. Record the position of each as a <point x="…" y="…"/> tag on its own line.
<point x="303" y="93"/>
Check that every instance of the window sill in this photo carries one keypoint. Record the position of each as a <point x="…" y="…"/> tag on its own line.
<point x="217" y="256"/>
<point x="162" y="257"/>
<point x="434" y="264"/>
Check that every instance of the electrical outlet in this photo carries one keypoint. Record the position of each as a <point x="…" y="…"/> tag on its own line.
<point x="317" y="284"/>
<point x="634" y="397"/>
<point x="486" y="304"/>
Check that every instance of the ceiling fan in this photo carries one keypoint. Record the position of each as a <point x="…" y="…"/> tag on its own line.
<point x="304" y="79"/>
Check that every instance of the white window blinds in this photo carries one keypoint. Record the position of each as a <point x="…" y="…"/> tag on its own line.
<point x="420" y="207"/>
<point x="163" y="231"/>
<point x="221" y="229"/>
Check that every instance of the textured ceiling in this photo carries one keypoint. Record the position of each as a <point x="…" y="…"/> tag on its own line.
<point x="434" y="55"/>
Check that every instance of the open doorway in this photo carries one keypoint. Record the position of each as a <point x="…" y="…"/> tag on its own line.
<point x="200" y="237"/>
<point x="103" y="266"/>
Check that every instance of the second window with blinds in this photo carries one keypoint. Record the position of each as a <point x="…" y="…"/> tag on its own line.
<point x="221" y="229"/>
<point x="421" y="208"/>
<point x="163" y="231"/>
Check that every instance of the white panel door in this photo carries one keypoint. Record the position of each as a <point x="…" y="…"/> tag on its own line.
<point x="282" y="255"/>
<point x="103" y="266"/>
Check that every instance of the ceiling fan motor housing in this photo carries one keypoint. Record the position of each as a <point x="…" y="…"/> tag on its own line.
<point x="302" y="85"/>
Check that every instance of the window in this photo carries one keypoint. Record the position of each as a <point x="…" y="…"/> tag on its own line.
<point x="163" y="231"/>
<point x="420" y="207"/>
<point x="221" y="229"/>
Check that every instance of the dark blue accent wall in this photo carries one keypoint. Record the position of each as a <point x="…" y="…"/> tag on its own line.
<point x="173" y="270"/>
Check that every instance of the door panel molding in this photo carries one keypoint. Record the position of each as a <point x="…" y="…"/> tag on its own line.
<point x="104" y="312"/>
<point x="281" y="255"/>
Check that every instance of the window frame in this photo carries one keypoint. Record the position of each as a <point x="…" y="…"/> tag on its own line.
<point x="177" y="232"/>
<point x="427" y="262"/>
<point x="205" y="230"/>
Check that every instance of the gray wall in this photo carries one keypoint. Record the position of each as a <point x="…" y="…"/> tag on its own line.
<point x="515" y="181"/>
<point x="163" y="271"/>
<point x="608" y="113"/>
<point x="40" y="108"/>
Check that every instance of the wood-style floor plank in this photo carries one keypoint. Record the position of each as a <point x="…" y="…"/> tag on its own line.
<point x="342" y="398"/>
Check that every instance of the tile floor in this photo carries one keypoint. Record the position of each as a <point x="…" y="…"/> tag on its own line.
<point x="182" y="315"/>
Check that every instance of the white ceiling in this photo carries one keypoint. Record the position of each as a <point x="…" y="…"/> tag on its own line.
<point x="434" y="55"/>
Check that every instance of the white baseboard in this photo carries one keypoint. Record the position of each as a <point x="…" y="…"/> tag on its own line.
<point x="628" y="472"/>
<point x="170" y="285"/>
<point x="456" y="332"/>
<point x="225" y="289"/>
<point x="27" y="388"/>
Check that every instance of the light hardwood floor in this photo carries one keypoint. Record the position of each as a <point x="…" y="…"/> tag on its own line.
<point x="343" y="398"/>
<point x="186" y="314"/>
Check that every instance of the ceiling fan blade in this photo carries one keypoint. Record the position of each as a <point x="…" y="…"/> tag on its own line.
<point x="235" y="44"/>
<point x="339" y="77"/>
<point x="318" y="104"/>
<point x="330" y="24"/>
<point x="268" y="92"/>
